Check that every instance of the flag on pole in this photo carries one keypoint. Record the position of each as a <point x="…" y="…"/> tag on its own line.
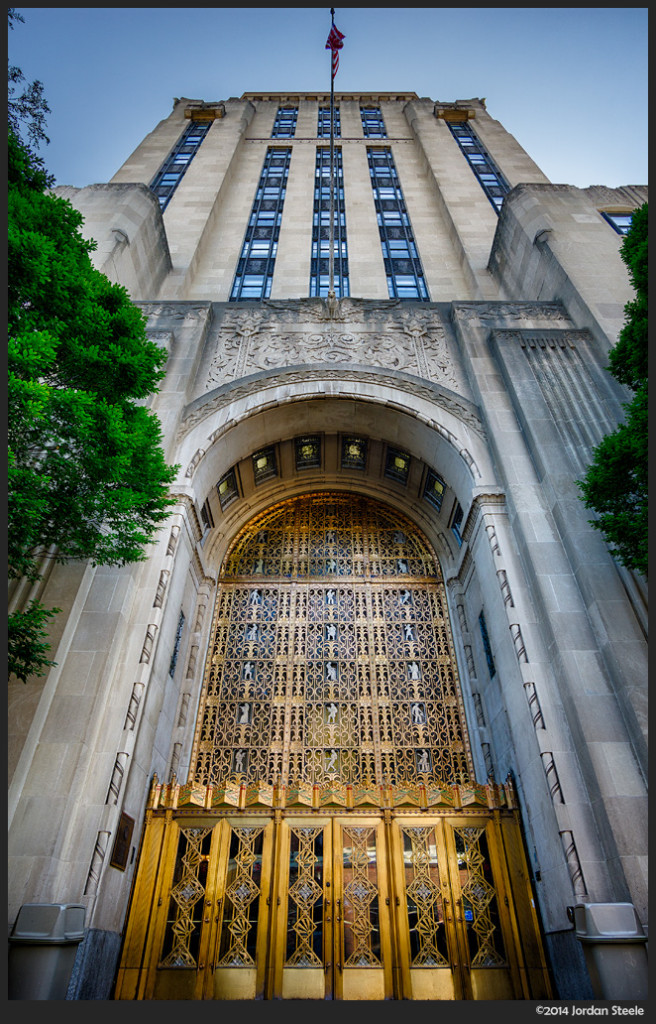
<point x="335" y="44"/>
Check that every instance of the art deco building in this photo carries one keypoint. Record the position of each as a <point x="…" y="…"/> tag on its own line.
<point x="370" y="720"/>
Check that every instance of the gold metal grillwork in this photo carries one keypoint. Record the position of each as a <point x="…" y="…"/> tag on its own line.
<point x="331" y="658"/>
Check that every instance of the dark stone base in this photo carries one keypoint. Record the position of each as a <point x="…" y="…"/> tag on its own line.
<point x="569" y="972"/>
<point x="95" y="966"/>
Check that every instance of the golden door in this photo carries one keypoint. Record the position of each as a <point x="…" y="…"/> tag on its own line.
<point x="333" y="905"/>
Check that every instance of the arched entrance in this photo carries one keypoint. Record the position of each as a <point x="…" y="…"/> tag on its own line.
<point x="331" y="841"/>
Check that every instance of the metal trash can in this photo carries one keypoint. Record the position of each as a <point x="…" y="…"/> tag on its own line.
<point x="42" y="949"/>
<point x="613" y="943"/>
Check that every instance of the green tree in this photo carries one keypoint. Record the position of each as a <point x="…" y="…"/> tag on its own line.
<point x="87" y="475"/>
<point x="27" y="109"/>
<point x="615" y="485"/>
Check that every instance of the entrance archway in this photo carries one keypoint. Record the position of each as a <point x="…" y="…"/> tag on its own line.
<point x="331" y="841"/>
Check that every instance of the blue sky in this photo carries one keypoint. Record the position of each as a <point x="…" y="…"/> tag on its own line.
<point x="570" y="83"/>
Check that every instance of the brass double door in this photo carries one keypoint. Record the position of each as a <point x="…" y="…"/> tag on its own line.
<point x="333" y="906"/>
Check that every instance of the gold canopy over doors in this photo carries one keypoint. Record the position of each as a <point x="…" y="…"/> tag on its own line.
<point x="331" y="658"/>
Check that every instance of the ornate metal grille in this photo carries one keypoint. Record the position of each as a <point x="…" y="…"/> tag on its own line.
<point x="242" y="898"/>
<point x="331" y="658"/>
<point x="424" y="898"/>
<point x="305" y="896"/>
<point x="360" y="903"/>
<point x="479" y="899"/>
<point x="186" y="899"/>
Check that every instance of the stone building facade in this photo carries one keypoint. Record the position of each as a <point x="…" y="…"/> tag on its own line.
<point x="487" y="383"/>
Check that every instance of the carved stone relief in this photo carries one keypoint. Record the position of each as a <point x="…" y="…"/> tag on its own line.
<point x="356" y="333"/>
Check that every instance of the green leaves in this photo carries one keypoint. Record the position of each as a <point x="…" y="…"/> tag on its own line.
<point x="28" y="641"/>
<point x="615" y="485"/>
<point x="86" y="470"/>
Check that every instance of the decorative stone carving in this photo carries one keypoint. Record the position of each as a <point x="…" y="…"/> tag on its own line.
<point x="574" y="864"/>
<point x="505" y="588"/>
<point x="520" y="650"/>
<point x="133" y="707"/>
<point x="147" y="649"/>
<point x="366" y="334"/>
<point x="97" y="861"/>
<point x="117" y="777"/>
<point x="161" y="588"/>
<point x="534" y="705"/>
<point x="549" y="766"/>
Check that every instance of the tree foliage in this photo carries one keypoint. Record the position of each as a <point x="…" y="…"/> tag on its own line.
<point x="87" y="475"/>
<point x="615" y="485"/>
<point x="27" y="109"/>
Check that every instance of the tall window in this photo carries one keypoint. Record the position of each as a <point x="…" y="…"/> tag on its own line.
<point x="405" y="276"/>
<point x="173" y="169"/>
<point x="284" y="126"/>
<point x="456" y="524"/>
<point x="323" y="125"/>
<point x="492" y="181"/>
<point x="486" y="645"/>
<point x="258" y="256"/>
<point x="319" y="265"/>
<point x="373" y="125"/>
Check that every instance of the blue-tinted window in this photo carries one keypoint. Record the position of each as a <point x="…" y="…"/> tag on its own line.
<point x="284" y="126"/>
<point x="173" y="169"/>
<point x="320" y="259"/>
<point x="492" y="181"/>
<point x="621" y="222"/>
<point x="254" y="273"/>
<point x="323" y="125"/>
<point x="405" y="276"/>
<point x="456" y="524"/>
<point x="373" y="125"/>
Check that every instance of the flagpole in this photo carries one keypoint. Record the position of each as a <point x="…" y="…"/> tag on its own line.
<point x="331" y="235"/>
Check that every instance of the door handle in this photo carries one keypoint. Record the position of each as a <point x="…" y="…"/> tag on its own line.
<point x="445" y="901"/>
